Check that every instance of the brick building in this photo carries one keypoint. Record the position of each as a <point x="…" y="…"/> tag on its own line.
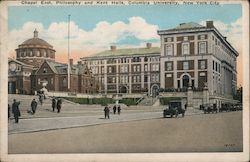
<point x="35" y="64"/>
<point x="131" y="70"/>
<point x="198" y="56"/>
<point x="55" y="76"/>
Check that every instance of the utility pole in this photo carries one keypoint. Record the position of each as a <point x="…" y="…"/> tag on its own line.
<point x="68" y="53"/>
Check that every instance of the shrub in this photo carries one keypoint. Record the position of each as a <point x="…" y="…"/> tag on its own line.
<point x="129" y="101"/>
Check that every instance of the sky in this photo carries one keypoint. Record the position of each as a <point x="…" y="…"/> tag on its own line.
<point x="95" y="28"/>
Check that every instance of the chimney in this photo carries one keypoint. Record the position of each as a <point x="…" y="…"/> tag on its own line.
<point x="149" y="45"/>
<point x="71" y="61"/>
<point x="210" y="24"/>
<point x="113" y="48"/>
<point x="225" y="38"/>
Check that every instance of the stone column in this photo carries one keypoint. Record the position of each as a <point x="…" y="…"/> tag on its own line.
<point x="142" y="72"/>
<point x="129" y="76"/>
<point x="117" y="77"/>
<point x="205" y="98"/>
<point x="105" y="76"/>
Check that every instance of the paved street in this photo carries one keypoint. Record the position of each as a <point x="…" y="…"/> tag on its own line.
<point x="202" y="133"/>
<point x="74" y="115"/>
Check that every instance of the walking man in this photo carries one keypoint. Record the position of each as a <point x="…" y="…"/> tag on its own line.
<point x="106" y="112"/>
<point x="114" y="109"/>
<point x="40" y="99"/>
<point x="15" y="110"/>
<point x="53" y="103"/>
<point x="59" y="105"/>
<point x="33" y="106"/>
<point x="119" y="109"/>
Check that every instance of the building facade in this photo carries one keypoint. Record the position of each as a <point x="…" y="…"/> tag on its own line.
<point x="54" y="75"/>
<point x="198" y="56"/>
<point x="132" y="70"/>
<point x="35" y="66"/>
<point x="19" y="77"/>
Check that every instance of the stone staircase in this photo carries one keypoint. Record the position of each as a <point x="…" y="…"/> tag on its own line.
<point x="148" y="101"/>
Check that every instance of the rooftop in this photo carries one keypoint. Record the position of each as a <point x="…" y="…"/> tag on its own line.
<point x="36" y="41"/>
<point x="129" y="51"/>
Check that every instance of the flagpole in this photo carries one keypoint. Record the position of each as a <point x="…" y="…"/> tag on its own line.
<point x="68" y="53"/>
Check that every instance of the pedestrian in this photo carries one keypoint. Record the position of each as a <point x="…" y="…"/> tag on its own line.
<point x="59" y="105"/>
<point x="114" y="109"/>
<point x="33" y="106"/>
<point x="40" y="99"/>
<point x="15" y="110"/>
<point x="8" y="112"/>
<point x="119" y="109"/>
<point x="106" y="112"/>
<point x="53" y="104"/>
<point x="185" y="106"/>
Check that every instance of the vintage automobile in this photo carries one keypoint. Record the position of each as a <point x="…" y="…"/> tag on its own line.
<point x="174" y="108"/>
<point x="207" y="108"/>
<point x="238" y="107"/>
<point x="225" y="107"/>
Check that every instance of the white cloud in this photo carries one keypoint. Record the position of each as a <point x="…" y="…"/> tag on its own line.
<point x="101" y="37"/>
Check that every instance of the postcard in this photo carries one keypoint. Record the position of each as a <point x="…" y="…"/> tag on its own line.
<point x="124" y="80"/>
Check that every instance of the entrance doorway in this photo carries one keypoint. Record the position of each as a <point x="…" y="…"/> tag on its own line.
<point x="123" y="89"/>
<point x="155" y="90"/>
<point x="12" y="87"/>
<point x="185" y="81"/>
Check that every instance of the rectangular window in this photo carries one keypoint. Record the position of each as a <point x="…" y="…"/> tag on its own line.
<point x="134" y="79"/>
<point x="138" y="68"/>
<point x="202" y="74"/>
<point x="169" y="66"/>
<point x="202" y="47"/>
<point x="216" y="66"/>
<point x="113" y="80"/>
<point x="169" y="50"/>
<point x="157" y="78"/>
<point x="185" y="49"/>
<point x="39" y="81"/>
<point x="185" y="66"/>
<point x="145" y="67"/>
<point x="110" y="69"/>
<point x="202" y="37"/>
<point x="145" y="78"/>
<point x="169" y="75"/>
<point x="134" y="68"/>
<point x="203" y="64"/>
<point x="52" y="81"/>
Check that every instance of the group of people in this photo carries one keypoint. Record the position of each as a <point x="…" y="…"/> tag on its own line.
<point x="107" y="110"/>
<point x="56" y="104"/>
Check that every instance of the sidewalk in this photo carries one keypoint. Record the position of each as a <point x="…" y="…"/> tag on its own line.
<point x="53" y="123"/>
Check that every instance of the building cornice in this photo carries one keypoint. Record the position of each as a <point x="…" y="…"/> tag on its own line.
<point x="195" y="30"/>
